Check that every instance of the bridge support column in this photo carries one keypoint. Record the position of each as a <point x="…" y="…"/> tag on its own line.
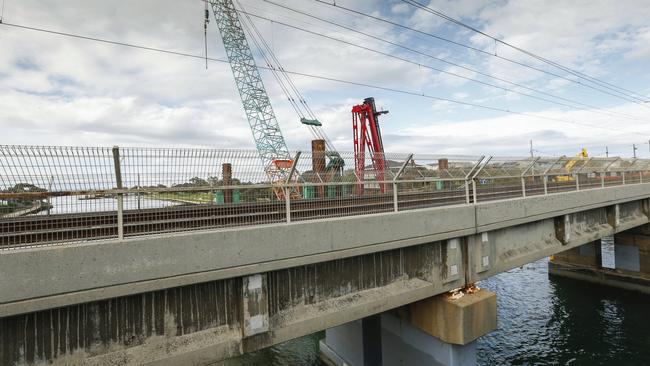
<point x="441" y="330"/>
<point x="631" y="256"/>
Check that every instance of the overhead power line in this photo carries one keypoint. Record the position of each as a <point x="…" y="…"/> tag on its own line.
<point x="531" y="54"/>
<point x="509" y="60"/>
<point x="314" y="76"/>
<point x="577" y="104"/>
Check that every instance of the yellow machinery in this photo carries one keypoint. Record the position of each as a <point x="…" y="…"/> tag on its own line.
<point x="568" y="167"/>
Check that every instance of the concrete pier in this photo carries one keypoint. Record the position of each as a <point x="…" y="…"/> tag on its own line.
<point x="631" y="257"/>
<point x="441" y="330"/>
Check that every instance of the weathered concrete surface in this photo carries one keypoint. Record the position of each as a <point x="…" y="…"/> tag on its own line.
<point x="632" y="251"/>
<point x="313" y="275"/>
<point x="456" y="320"/>
<point x="87" y="272"/>
<point x="587" y="255"/>
<point x="194" y="324"/>
<point x="401" y="344"/>
<point x="405" y="344"/>
<point x="500" y="214"/>
<point x="218" y="254"/>
<point x="496" y="251"/>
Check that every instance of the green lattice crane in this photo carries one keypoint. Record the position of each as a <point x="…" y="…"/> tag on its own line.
<point x="263" y="123"/>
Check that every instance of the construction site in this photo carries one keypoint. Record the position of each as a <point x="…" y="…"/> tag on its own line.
<point x="276" y="243"/>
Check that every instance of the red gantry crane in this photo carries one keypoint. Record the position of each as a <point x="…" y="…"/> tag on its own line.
<point x="367" y="134"/>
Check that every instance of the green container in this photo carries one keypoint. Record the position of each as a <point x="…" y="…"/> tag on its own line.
<point x="331" y="191"/>
<point x="218" y="197"/>
<point x="440" y="185"/>
<point x="308" y="192"/>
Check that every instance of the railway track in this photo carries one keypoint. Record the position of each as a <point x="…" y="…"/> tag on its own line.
<point x="69" y="228"/>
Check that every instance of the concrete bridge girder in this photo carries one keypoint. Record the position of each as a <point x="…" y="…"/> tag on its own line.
<point x="211" y="295"/>
<point x="499" y="250"/>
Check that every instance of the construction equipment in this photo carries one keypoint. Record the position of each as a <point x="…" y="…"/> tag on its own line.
<point x="261" y="118"/>
<point x="568" y="167"/>
<point x="266" y="130"/>
<point x="367" y="134"/>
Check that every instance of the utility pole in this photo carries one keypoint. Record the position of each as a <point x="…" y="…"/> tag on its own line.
<point x="531" y="148"/>
<point x="606" y="152"/>
<point x="634" y="149"/>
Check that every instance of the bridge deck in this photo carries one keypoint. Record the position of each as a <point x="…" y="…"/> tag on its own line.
<point x="28" y="231"/>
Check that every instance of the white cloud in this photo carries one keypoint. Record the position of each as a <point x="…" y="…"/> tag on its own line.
<point x="56" y="90"/>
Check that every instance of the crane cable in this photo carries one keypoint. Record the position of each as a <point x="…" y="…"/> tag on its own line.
<point x="205" y="32"/>
<point x="288" y="86"/>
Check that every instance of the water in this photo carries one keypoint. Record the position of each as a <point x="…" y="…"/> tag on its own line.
<point x="76" y="204"/>
<point x="557" y="321"/>
<point x="542" y="321"/>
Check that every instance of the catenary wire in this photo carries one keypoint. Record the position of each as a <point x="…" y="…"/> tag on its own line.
<point x="319" y="77"/>
<point x="531" y="54"/>
<point x="531" y="67"/>
<point x="578" y="104"/>
<point x="403" y="59"/>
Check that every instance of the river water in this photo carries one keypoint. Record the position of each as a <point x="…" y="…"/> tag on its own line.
<point x="541" y="321"/>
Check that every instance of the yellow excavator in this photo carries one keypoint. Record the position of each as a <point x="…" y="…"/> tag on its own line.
<point x="568" y="167"/>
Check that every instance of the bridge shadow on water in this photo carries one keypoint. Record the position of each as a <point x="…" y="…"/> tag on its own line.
<point x="542" y="321"/>
<point x="556" y="321"/>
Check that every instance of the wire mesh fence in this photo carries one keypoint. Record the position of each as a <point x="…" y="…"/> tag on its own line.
<point x="51" y="195"/>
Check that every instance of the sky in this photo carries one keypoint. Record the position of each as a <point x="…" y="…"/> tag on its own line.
<point x="64" y="91"/>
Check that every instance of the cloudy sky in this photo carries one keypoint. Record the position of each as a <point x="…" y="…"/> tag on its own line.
<point x="62" y="91"/>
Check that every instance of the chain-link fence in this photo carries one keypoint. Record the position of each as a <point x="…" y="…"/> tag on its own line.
<point x="51" y="195"/>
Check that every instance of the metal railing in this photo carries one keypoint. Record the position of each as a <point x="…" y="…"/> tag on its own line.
<point x="54" y="195"/>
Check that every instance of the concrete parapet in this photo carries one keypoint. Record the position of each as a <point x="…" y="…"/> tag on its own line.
<point x="456" y="320"/>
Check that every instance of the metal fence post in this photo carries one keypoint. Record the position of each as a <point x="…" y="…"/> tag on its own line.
<point x="469" y="174"/>
<point x="475" y="175"/>
<point x="640" y="177"/>
<point x="602" y="180"/>
<point x="287" y="188"/>
<point x="120" y="196"/>
<point x="623" y="176"/>
<point x="399" y="174"/>
<point x="577" y="182"/>
<point x="287" y="203"/>
<point x="474" y="190"/>
<point x="545" y="174"/>
<point x="523" y="179"/>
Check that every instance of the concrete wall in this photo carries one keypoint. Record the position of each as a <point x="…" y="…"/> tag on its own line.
<point x="86" y="272"/>
<point x="312" y="276"/>
<point x="201" y="323"/>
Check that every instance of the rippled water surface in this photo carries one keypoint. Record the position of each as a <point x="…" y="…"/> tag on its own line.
<point x="542" y="321"/>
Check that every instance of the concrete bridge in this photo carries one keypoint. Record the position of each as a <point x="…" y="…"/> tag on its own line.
<point x="128" y="275"/>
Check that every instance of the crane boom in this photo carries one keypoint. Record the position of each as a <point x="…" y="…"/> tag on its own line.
<point x="261" y="118"/>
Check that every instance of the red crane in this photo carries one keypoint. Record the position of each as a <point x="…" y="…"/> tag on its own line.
<point x="366" y="133"/>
